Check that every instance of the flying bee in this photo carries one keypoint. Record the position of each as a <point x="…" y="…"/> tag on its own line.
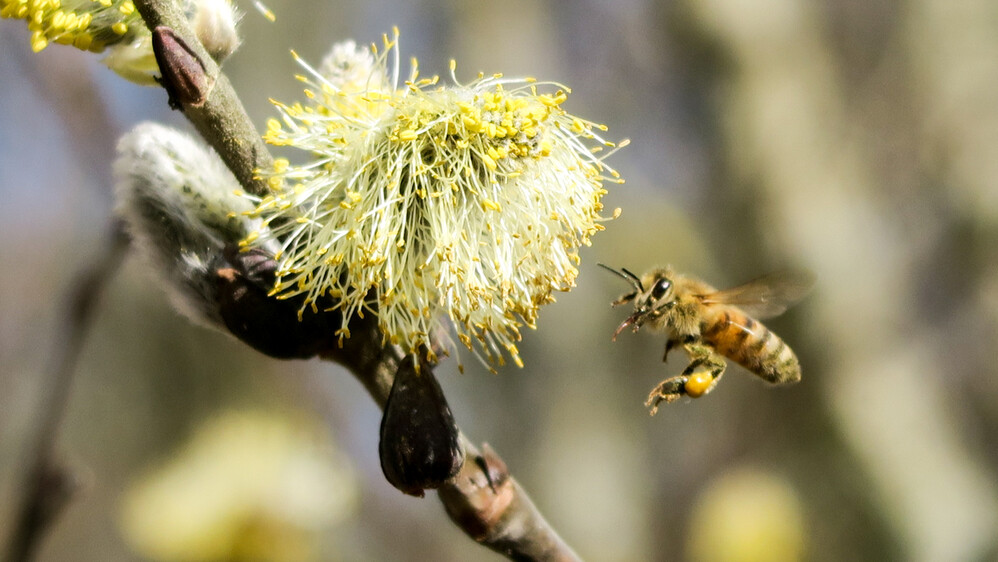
<point x="711" y="325"/>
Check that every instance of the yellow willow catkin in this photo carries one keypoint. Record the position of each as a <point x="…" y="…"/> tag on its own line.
<point x="425" y="202"/>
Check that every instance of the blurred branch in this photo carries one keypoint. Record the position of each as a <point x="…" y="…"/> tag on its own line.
<point x="47" y="485"/>
<point x="483" y="499"/>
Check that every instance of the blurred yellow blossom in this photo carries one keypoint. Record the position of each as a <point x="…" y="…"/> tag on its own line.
<point x="747" y="515"/>
<point x="248" y="486"/>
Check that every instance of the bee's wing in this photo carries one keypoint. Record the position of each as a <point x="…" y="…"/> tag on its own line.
<point x="767" y="296"/>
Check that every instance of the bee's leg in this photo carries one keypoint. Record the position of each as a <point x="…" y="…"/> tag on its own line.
<point x="667" y="391"/>
<point x="703" y="381"/>
<point x="672" y="343"/>
<point x="693" y="381"/>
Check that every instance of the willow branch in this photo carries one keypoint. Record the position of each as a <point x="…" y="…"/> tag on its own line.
<point x="490" y="506"/>
<point x="483" y="499"/>
<point x="220" y="118"/>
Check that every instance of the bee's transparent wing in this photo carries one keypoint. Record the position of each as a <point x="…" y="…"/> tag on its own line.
<point x="767" y="296"/>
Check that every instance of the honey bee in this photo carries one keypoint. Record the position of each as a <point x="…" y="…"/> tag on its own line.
<point x="711" y="325"/>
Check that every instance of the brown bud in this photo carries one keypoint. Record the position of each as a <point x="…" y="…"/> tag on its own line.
<point x="183" y="75"/>
<point x="419" y="445"/>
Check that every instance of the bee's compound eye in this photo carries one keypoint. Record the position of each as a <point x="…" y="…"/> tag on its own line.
<point x="661" y="287"/>
<point x="698" y="384"/>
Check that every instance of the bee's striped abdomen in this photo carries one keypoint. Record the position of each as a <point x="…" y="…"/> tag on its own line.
<point x="751" y="345"/>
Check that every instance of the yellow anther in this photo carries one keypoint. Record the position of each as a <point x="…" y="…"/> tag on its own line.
<point x="38" y="41"/>
<point x="490" y="205"/>
<point x="266" y="12"/>
<point x="72" y="22"/>
<point x="489" y="162"/>
<point x="553" y="101"/>
<point x="472" y="124"/>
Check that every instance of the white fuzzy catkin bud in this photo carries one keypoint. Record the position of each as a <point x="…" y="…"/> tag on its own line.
<point x="179" y="203"/>
<point x="215" y="25"/>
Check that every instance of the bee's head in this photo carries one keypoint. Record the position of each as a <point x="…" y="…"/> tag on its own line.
<point x="653" y="295"/>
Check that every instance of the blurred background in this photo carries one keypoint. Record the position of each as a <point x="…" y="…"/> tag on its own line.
<point x="855" y="138"/>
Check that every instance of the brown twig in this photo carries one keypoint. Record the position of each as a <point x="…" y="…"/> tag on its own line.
<point x="490" y="506"/>
<point x="483" y="499"/>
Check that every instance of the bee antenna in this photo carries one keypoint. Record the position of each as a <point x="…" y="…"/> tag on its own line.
<point x="635" y="278"/>
<point x="626" y="275"/>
